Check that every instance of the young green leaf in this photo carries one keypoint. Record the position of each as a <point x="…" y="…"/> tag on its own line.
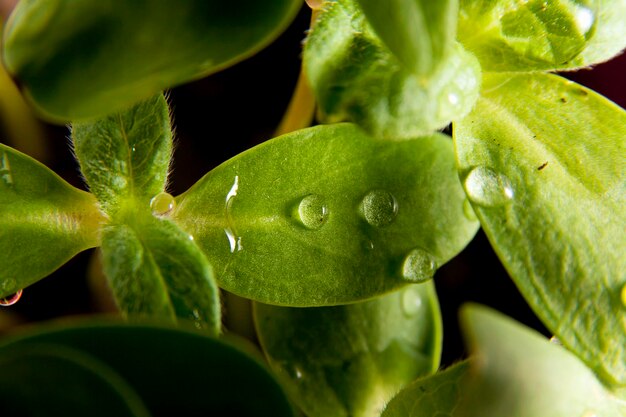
<point x="356" y="78"/>
<point x="542" y="160"/>
<point x="350" y="360"/>
<point x="174" y="372"/>
<point x="52" y="380"/>
<point x="328" y="215"/>
<point x="44" y="221"/>
<point x="511" y="35"/>
<point x="78" y="60"/>
<point x="516" y="372"/>
<point x="126" y="155"/>
<point x="609" y="38"/>
<point x="432" y="396"/>
<point x="420" y="33"/>
<point x="156" y="270"/>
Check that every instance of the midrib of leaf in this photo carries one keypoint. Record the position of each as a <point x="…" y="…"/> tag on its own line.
<point x="129" y="159"/>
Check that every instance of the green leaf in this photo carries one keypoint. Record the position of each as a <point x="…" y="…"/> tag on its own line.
<point x="350" y="360"/>
<point x="44" y="221"/>
<point x="511" y="35"/>
<point x="542" y="161"/>
<point x="156" y="270"/>
<point x="328" y="215"/>
<point x="420" y="33"/>
<point x="51" y="380"/>
<point x="78" y="60"/>
<point x="175" y="372"/>
<point x="609" y="38"/>
<point x="356" y="78"/>
<point x="517" y="372"/>
<point x="125" y="156"/>
<point x="432" y="396"/>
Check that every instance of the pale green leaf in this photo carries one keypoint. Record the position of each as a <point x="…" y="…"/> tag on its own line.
<point x="84" y="59"/>
<point x="328" y="215"/>
<point x="350" y="360"/>
<point x="420" y="33"/>
<point x="516" y="372"/>
<point x="44" y="221"/>
<point x="543" y="162"/>
<point x="356" y="78"/>
<point x="53" y="380"/>
<point x="512" y="35"/>
<point x="125" y="156"/>
<point x="432" y="396"/>
<point x="156" y="270"/>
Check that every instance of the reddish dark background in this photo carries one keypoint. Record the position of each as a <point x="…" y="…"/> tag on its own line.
<point x="226" y="113"/>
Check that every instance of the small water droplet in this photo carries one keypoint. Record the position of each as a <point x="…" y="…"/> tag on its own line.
<point x="312" y="211"/>
<point x="623" y="295"/>
<point x="133" y="148"/>
<point x="162" y="204"/>
<point x="468" y="211"/>
<point x="5" y="170"/>
<point x="379" y="208"/>
<point x="555" y="341"/>
<point x="411" y="302"/>
<point x="233" y="239"/>
<point x="453" y="99"/>
<point x="418" y="266"/>
<point x="584" y="18"/>
<point x="11" y="299"/>
<point x="487" y="188"/>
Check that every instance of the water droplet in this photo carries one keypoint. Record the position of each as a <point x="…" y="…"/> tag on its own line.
<point x="584" y="18"/>
<point x="411" y="302"/>
<point x="487" y="188"/>
<point x="162" y="204"/>
<point x="5" y="170"/>
<point x="379" y="208"/>
<point x="623" y="295"/>
<point x="312" y="211"/>
<point x="233" y="239"/>
<point x="11" y="299"/>
<point x="419" y="266"/>
<point x="468" y="210"/>
<point x="133" y="148"/>
<point x="453" y="99"/>
<point x="555" y="341"/>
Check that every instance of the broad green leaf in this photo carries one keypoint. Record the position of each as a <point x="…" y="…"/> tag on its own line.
<point x="356" y="78"/>
<point x="156" y="270"/>
<point x="126" y="155"/>
<point x="350" y="360"/>
<point x="328" y="215"/>
<point x="514" y="371"/>
<point x="174" y="372"/>
<point x="52" y="380"/>
<point x="44" y="221"/>
<point x="432" y="396"/>
<point x="512" y="35"/>
<point x="79" y="60"/>
<point x="542" y="160"/>
<point x="420" y="33"/>
<point x="609" y="38"/>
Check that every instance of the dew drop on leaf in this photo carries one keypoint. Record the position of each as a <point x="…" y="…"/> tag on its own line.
<point x="584" y="18"/>
<point x="312" y="211"/>
<point x="11" y="299"/>
<point x="418" y="266"/>
<point x="162" y="204"/>
<point x="411" y="302"/>
<point x="379" y="208"/>
<point x="487" y="188"/>
<point x="555" y="341"/>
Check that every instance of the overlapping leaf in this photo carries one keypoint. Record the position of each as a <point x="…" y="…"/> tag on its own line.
<point x="84" y="59"/>
<point x="542" y="161"/>
<point x="349" y="360"/>
<point x="328" y="215"/>
<point x="356" y="78"/>
<point x="44" y="221"/>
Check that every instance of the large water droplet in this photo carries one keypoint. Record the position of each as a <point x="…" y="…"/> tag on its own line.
<point x="11" y="299"/>
<point x="162" y="204"/>
<point x="312" y="211"/>
<point x="379" y="208"/>
<point x="584" y="18"/>
<point x="555" y="341"/>
<point x="487" y="188"/>
<point x="411" y="302"/>
<point x="468" y="211"/>
<point x="419" y="266"/>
